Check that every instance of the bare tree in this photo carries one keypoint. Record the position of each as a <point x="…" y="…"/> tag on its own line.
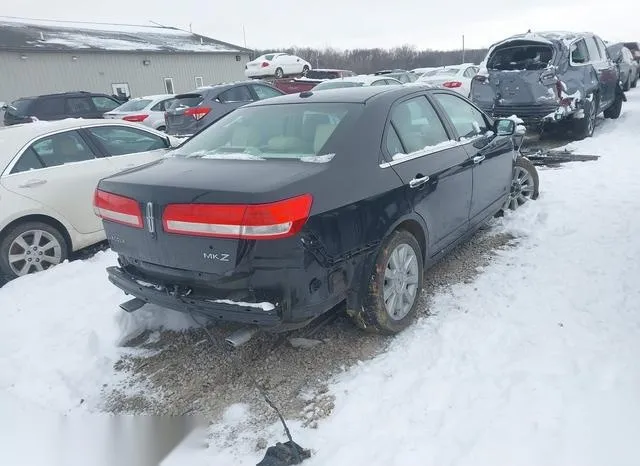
<point x="371" y="60"/>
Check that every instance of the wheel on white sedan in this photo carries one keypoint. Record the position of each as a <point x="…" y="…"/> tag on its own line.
<point x="31" y="247"/>
<point x="524" y="184"/>
<point x="391" y="300"/>
<point x="279" y="73"/>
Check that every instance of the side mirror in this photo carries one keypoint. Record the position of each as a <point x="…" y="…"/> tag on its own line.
<point x="505" y="127"/>
<point x="174" y="142"/>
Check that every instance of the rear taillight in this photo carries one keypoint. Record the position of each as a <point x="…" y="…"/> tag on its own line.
<point x="452" y="84"/>
<point x="264" y="64"/>
<point x="135" y="118"/>
<point x="117" y="209"/>
<point x="197" y="112"/>
<point x="254" y="221"/>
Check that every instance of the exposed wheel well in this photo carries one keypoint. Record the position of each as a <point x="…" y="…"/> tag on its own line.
<point x="417" y="231"/>
<point x="44" y="219"/>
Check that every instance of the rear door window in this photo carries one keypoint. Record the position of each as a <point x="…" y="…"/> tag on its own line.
<point x="162" y="106"/>
<point x="79" y="106"/>
<point x="50" y="107"/>
<point x="236" y="94"/>
<point x="579" y="52"/>
<point x="417" y="125"/>
<point x="29" y="160"/>
<point x="467" y="119"/>
<point x="59" y="149"/>
<point x="120" y="140"/>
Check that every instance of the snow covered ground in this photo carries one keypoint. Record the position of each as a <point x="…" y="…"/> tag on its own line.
<point x="534" y="363"/>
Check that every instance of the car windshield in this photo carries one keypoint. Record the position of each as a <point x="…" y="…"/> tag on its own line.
<point x="134" y="105"/>
<point x="520" y="57"/>
<point x="271" y="131"/>
<point x="443" y="72"/>
<point x="337" y="85"/>
<point x="322" y="74"/>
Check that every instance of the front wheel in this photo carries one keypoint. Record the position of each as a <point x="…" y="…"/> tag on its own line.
<point x="279" y="73"/>
<point x="627" y="85"/>
<point x="524" y="184"/>
<point x="31" y="247"/>
<point x="305" y="68"/>
<point x="391" y="302"/>
<point x="634" y="83"/>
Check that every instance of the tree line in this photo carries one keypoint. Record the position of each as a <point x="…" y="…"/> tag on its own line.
<point x="366" y="61"/>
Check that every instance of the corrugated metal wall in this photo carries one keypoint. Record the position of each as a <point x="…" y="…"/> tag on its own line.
<point x="47" y="72"/>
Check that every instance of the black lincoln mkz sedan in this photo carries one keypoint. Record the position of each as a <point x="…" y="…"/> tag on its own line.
<point x="287" y="207"/>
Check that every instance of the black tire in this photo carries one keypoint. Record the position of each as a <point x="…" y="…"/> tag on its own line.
<point x="279" y="73"/>
<point x="162" y="128"/>
<point x="615" y="109"/>
<point x="523" y="188"/>
<point x="6" y="271"/>
<point x="305" y="68"/>
<point x="634" y="83"/>
<point x="627" y="85"/>
<point x="584" y="127"/>
<point x="374" y="316"/>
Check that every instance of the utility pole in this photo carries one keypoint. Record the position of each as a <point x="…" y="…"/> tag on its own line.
<point x="244" y="35"/>
<point x="462" y="48"/>
<point x="190" y="27"/>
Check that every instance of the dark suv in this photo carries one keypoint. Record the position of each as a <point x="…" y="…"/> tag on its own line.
<point x="550" y="77"/>
<point x="58" y="107"/>
<point x="191" y="112"/>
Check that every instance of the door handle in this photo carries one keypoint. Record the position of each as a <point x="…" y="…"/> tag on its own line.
<point x="418" y="181"/>
<point x="478" y="158"/>
<point x="32" y="183"/>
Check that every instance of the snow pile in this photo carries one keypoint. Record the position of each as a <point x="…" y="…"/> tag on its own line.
<point x="535" y="362"/>
<point x="60" y="335"/>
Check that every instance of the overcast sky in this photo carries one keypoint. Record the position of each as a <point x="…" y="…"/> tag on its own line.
<point x="351" y="23"/>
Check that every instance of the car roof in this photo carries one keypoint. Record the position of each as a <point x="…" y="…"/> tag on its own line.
<point x="223" y="86"/>
<point x="357" y="95"/>
<point x="64" y="94"/>
<point x="14" y="137"/>
<point x="153" y="97"/>
<point x="361" y="78"/>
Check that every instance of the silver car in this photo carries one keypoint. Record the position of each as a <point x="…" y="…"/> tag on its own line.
<point x="148" y="110"/>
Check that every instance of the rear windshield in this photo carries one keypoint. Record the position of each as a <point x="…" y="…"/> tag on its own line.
<point x="19" y="107"/>
<point x="319" y="74"/>
<point x="270" y="132"/>
<point x="266" y="57"/>
<point x="133" y="105"/>
<point x="520" y="57"/>
<point x="443" y="72"/>
<point x="337" y="85"/>
<point x="186" y="101"/>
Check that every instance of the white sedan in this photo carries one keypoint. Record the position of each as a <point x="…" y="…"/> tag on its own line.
<point x="276" y="65"/>
<point x="148" y="110"/>
<point x="457" y="78"/>
<point x="48" y="175"/>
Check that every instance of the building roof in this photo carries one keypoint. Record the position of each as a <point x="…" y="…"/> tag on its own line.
<point x="63" y="36"/>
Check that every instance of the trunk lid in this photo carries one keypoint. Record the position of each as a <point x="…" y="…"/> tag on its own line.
<point x="181" y="119"/>
<point x="177" y="180"/>
<point x="519" y="72"/>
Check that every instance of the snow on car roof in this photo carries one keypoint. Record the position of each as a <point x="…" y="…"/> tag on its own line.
<point x="23" y="34"/>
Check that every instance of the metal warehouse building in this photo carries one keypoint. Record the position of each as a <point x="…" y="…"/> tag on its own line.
<point x="42" y="57"/>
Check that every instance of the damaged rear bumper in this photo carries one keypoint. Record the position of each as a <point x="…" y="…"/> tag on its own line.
<point x="530" y="114"/>
<point x="288" y="312"/>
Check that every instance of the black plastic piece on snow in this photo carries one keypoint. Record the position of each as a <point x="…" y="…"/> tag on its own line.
<point x="284" y="454"/>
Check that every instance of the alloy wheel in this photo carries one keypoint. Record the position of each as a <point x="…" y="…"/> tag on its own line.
<point x="522" y="188"/>
<point x="34" y="251"/>
<point x="400" y="281"/>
